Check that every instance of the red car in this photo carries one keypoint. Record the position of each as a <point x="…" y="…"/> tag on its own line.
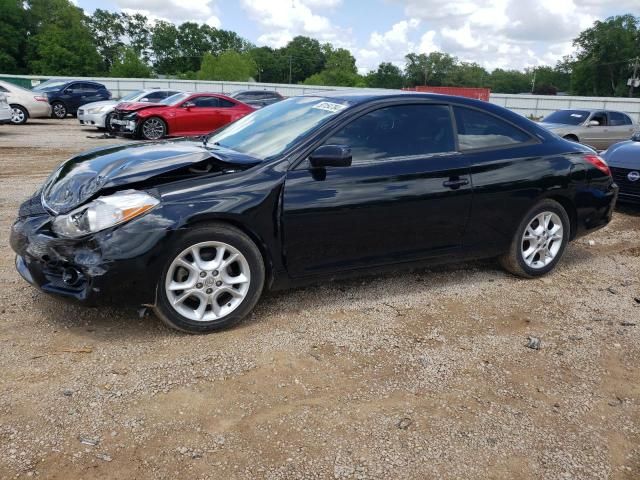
<point x="182" y="114"/>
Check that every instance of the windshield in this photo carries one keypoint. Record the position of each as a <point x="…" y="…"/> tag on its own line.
<point x="131" y="96"/>
<point x="271" y="130"/>
<point x="567" y="117"/>
<point x="173" y="99"/>
<point x="50" y="84"/>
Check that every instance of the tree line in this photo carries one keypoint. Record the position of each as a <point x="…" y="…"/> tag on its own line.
<point x="54" y="37"/>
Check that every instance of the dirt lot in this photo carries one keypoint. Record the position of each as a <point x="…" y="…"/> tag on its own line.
<point x="414" y="375"/>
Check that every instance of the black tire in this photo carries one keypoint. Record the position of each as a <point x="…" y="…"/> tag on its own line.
<point x="19" y="115"/>
<point x="212" y="233"/>
<point x="571" y="138"/>
<point x="142" y="130"/>
<point x="107" y="123"/>
<point x="58" y="110"/>
<point x="513" y="260"/>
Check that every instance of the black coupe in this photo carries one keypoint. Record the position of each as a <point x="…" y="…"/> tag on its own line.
<point x="308" y="188"/>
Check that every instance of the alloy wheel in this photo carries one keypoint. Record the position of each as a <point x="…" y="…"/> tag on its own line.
<point x="153" y="129"/>
<point x="207" y="281"/>
<point x="542" y="240"/>
<point x="18" y="116"/>
<point x="59" y="110"/>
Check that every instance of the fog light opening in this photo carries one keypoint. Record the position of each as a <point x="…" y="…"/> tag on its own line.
<point x="70" y="276"/>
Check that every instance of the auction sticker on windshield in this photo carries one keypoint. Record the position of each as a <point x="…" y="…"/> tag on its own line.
<point x="330" y="107"/>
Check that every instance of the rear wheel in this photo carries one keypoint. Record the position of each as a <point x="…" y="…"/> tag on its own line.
<point x="539" y="242"/>
<point x="153" y="128"/>
<point x="58" y="110"/>
<point x="212" y="279"/>
<point x="571" y="138"/>
<point x="19" y="115"/>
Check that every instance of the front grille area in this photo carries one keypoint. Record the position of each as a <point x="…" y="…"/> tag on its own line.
<point x="620" y="176"/>
<point x="80" y="111"/>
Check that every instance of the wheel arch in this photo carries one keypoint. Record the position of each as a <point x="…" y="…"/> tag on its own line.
<point x="21" y="106"/>
<point x="572" y="137"/>
<point x="248" y="231"/>
<point x="571" y="210"/>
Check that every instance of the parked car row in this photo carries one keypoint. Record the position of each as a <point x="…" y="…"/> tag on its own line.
<point x="596" y="128"/>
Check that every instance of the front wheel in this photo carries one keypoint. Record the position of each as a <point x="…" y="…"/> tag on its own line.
<point x="19" y="115"/>
<point x="539" y="242"/>
<point x="212" y="279"/>
<point x="153" y="128"/>
<point x="58" y="110"/>
<point x="107" y="123"/>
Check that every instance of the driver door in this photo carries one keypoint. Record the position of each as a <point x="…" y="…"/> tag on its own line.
<point x="200" y="118"/>
<point x="597" y="136"/>
<point x="406" y="196"/>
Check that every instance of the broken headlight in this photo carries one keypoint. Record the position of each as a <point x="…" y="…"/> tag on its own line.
<point x="103" y="212"/>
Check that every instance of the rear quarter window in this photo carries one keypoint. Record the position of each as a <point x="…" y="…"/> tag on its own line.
<point x="477" y="129"/>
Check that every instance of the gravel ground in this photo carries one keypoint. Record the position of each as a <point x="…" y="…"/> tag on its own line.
<point x="414" y="375"/>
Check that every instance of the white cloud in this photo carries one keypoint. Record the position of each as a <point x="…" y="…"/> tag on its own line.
<point x="281" y="20"/>
<point x="176" y="11"/>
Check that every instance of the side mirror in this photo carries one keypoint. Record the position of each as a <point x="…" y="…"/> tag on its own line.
<point x="593" y="123"/>
<point x="188" y="105"/>
<point x="331" y="156"/>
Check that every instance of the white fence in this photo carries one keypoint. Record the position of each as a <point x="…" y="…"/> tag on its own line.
<point x="535" y="105"/>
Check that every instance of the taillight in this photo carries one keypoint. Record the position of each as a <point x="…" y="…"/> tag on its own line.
<point x="40" y="99"/>
<point x="598" y="162"/>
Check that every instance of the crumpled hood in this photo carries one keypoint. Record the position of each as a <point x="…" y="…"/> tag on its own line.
<point x="623" y="155"/>
<point x="135" y="106"/>
<point x="82" y="177"/>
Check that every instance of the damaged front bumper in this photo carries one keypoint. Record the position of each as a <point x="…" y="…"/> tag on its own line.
<point x="116" y="266"/>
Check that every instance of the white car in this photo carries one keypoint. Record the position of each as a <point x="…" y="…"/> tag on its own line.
<point x="98" y="114"/>
<point x="24" y="104"/>
<point x="5" y="110"/>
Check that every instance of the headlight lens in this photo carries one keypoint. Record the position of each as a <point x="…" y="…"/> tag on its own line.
<point x="95" y="110"/>
<point x="104" y="212"/>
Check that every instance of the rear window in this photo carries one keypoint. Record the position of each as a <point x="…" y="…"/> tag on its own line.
<point x="477" y="129"/>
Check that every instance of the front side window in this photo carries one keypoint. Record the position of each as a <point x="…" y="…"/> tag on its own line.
<point x="477" y="129"/>
<point x="601" y="118"/>
<point x="397" y="131"/>
<point x="206" y="102"/>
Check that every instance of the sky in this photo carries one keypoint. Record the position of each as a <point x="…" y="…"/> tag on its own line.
<point x="494" y="33"/>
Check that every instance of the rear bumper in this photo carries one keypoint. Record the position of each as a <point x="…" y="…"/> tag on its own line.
<point x="595" y="208"/>
<point x="40" y="110"/>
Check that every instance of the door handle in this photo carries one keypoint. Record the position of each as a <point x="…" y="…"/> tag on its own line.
<point x="455" y="183"/>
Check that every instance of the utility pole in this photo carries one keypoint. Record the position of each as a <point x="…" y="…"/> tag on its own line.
<point x="634" y="78"/>
<point x="533" y="82"/>
<point x="290" y="68"/>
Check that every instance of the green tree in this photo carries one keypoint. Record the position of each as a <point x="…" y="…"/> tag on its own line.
<point x="465" y="74"/>
<point x="386" y="76"/>
<point x="432" y="69"/>
<point x="340" y="70"/>
<point x="138" y="31"/>
<point x="509" y="81"/>
<point x="306" y="57"/>
<point x="229" y="65"/>
<point x="164" y="44"/>
<point x="61" y="42"/>
<point x="13" y="36"/>
<point x="107" y="29"/>
<point x="271" y="65"/>
<point x="129" y="65"/>
<point x="602" y="64"/>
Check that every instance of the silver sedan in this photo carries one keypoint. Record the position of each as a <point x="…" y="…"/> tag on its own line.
<point x="24" y="104"/>
<point x="597" y="128"/>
